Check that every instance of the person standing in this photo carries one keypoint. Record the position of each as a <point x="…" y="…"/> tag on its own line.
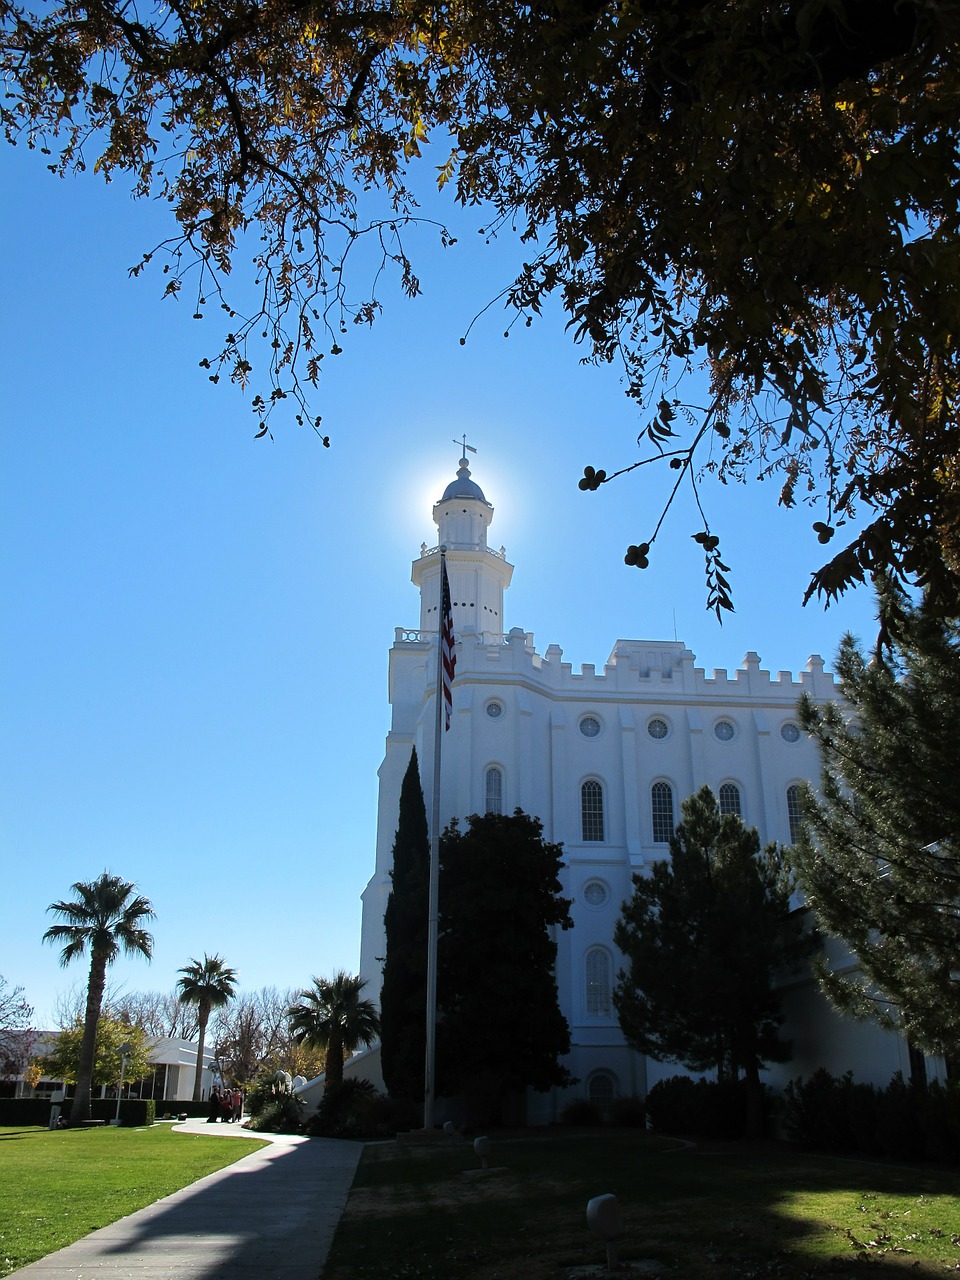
<point x="214" y="1111"/>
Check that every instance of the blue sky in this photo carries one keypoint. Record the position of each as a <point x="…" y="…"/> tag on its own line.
<point x="195" y="623"/>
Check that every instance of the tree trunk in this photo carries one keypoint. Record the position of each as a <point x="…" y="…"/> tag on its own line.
<point x="203" y="1017"/>
<point x="754" y="1126"/>
<point x="333" y="1067"/>
<point x="80" y="1110"/>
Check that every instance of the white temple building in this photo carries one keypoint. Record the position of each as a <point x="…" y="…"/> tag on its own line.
<point x="604" y="760"/>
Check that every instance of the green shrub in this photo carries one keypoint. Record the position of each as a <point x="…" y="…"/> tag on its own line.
<point x="583" y="1113"/>
<point x="274" y="1107"/>
<point x="189" y="1108"/>
<point x="283" y="1115"/>
<point x="25" y="1111"/>
<point x="134" y="1112"/>
<point x="628" y="1113"/>
<point x="904" y="1121"/>
<point x="699" y="1108"/>
<point x="816" y="1111"/>
<point x="898" y="1115"/>
<point x="350" y="1109"/>
<point x="863" y="1120"/>
<point x="671" y="1104"/>
<point x="940" y="1121"/>
<point x="353" y="1109"/>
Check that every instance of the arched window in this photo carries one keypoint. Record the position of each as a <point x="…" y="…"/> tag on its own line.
<point x="493" y="790"/>
<point x="730" y="799"/>
<point x="794" y="815"/>
<point x="601" y="1088"/>
<point x="591" y="809"/>
<point x="598" y="970"/>
<point x="661" y="802"/>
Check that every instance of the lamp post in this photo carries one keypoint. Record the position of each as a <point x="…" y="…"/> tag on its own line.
<point x="125" y="1050"/>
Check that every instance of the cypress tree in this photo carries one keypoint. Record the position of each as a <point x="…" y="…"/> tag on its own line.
<point x="500" y="1029"/>
<point x="404" y="992"/>
<point x="879" y="858"/>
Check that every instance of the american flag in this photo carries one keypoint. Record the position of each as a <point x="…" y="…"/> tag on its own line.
<point x="448" y="655"/>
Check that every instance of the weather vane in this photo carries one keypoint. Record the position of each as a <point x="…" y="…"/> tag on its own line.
<point x="464" y="446"/>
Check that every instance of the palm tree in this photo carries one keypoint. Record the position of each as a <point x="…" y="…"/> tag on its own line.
<point x="333" y="1018"/>
<point x="106" y="917"/>
<point x="209" y="986"/>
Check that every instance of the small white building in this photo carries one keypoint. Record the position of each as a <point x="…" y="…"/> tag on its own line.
<point x="173" y="1061"/>
<point x="604" y="759"/>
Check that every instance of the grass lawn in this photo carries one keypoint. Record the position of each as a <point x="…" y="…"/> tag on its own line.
<point x="58" y="1185"/>
<point x="697" y="1211"/>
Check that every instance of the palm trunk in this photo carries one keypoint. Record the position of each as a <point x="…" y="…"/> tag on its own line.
<point x="203" y="1017"/>
<point x="80" y="1110"/>
<point x="333" y="1067"/>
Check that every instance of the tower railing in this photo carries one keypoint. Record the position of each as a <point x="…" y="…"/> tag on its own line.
<point x="426" y="551"/>
<point x="413" y="635"/>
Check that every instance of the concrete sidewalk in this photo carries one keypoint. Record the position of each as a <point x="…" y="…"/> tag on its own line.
<point x="270" y="1216"/>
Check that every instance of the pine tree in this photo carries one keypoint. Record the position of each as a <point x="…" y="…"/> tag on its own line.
<point x="704" y="934"/>
<point x="499" y="1027"/>
<point x="404" y="992"/>
<point x="879" y="859"/>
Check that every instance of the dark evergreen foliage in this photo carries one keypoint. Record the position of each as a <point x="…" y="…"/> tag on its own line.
<point x="354" y="1110"/>
<point x="704" y="934"/>
<point x="500" y="1029"/>
<point x="904" y="1121"/>
<point x="404" y="993"/>
<point x="715" y="1109"/>
<point x="880" y="856"/>
<point x="582" y="1113"/>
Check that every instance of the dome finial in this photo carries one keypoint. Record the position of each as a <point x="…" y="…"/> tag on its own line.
<point x="463" y="486"/>
<point x="464" y="447"/>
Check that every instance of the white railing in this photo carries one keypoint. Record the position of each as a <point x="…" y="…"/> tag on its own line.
<point x="412" y="635"/>
<point x="426" y="551"/>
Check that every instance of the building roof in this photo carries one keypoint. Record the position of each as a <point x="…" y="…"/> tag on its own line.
<point x="464" y="487"/>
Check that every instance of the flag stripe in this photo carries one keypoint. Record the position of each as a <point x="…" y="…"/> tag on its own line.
<point x="448" y="656"/>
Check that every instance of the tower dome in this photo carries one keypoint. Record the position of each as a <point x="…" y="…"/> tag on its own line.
<point x="463" y="486"/>
<point x="478" y="576"/>
<point x="463" y="514"/>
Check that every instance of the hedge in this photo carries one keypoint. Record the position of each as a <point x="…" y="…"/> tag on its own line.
<point x="171" y="1107"/>
<point x="26" y="1111"/>
<point x="134" y="1112"/>
<point x="699" y="1108"/>
<point x="36" y="1111"/>
<point x="904" y="1121"/>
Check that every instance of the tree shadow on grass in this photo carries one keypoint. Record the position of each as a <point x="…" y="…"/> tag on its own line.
<point x="722" y="1214"/>
<point x="795" y="1213"/>
<point x="274" y="1212"/>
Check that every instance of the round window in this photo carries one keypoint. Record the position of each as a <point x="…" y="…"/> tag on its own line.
<point x="724" y="730"/>
<point x="789" y="732"/>
<point x="494" y="710"/>
<point x="658" y="728"/>
<point x="589" y="726"/>
<point x="595" y="893"/>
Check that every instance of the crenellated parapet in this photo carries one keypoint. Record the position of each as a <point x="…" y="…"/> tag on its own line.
<point x="666" y="669"/>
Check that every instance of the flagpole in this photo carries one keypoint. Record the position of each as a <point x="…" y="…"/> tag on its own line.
<point x="429" y="1082"/>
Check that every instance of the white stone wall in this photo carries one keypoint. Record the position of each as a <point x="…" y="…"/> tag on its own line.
<point x="537" y="743"/>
